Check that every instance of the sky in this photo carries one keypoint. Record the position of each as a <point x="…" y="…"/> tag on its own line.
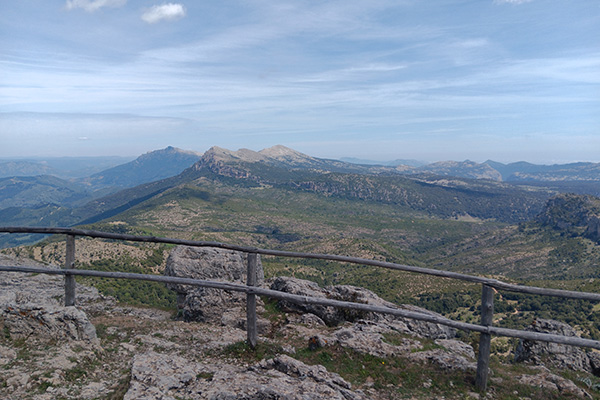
<point x="506" y="80"/>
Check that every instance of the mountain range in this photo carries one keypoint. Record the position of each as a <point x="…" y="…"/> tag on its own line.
<point x="282" y="199"/>
<point x="507" y="193"/>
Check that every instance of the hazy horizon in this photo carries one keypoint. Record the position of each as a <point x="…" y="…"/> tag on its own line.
<point x="506" y="80"/>
<point x="127" y="158"/>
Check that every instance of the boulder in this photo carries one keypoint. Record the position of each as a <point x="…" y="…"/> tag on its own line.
<point x="553" y="354"/>
<point x="208" y="263"/>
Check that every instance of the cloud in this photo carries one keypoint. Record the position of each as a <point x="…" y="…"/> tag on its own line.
<point x="168" y="12"/>
<point x="93" y="5"/>
<point x="512" y="1"/>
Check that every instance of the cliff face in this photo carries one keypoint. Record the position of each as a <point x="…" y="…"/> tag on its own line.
<point x="577" y="214"/>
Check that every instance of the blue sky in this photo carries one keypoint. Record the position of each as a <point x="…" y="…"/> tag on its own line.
<point x="506" y="80"/>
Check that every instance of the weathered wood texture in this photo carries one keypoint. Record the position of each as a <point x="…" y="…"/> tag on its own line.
<point x="251" y="329"/>
<point x="487" y="318"/>
<point x="544" y="337"/>
<point x="70" y="279"/>
<point x="352" y="260"/>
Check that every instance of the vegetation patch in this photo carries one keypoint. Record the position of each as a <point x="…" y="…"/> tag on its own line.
<point x="140" y="293"/>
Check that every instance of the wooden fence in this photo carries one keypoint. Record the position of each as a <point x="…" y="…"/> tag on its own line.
<point x="486" y="329"/>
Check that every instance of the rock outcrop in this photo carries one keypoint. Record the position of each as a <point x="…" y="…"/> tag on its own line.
<point x="367" y="334"/>
<point x="155" y="375"/>
<point x="46" y="323"/>
<point x="334" y="316"/>
<point x="208" y="263"/>
<point x="553" y="354"/>
<point x="32" y="308"/>
<point x="549" y="381"/>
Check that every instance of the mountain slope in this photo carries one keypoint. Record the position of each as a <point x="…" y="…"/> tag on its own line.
<point x="24" y="168"/>
<point x="573" y="214"/>
<point x="523" y="171"/>
<point x="442" y="197"/>
<point x="464" y="169"/>
<point x="32" y="191"/>
<point x="148" y="167"/>
<point x="61" y="167"/>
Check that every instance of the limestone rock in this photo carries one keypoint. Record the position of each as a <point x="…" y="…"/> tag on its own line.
<point x="208" y="263"/>
<point x="546" y="379"/>
<point x="170" y="377"/>
<point x="594" y="357"/>
<point x="445" y="359"/>
<point x="370" y="338"/>
<point x="7" y="355"/>
<point x="330" y="315"/>
<point x="20" y="288"/>
<point x="333" y="316"/>
<point x="46" y="323"/>
<point x="31" y="306"/>
<point x="554" y="354"/>
<point x="457" y="347"/>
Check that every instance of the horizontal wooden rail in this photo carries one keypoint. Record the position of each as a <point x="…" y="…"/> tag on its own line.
<point x="330" y="257"/>
<point x="436" y="319"/>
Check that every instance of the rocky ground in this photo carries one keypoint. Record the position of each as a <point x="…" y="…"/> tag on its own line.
<point x="103" y="350"/>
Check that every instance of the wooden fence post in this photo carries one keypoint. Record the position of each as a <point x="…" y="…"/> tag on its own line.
<point x="251" y="301"/>
<point x="70" y="279"/>
<point x="487" y="317"/>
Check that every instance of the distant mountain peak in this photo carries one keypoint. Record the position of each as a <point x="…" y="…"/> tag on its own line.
<point x="280" y="151"/>
<point x="148" y="167"/>
<point x="220" y="154"/>
<point x="168" y="151"/>
<point x="217" y="151"/>
<point x="277" y="153"/>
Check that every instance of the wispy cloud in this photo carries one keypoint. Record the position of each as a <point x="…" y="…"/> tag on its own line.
<point x="93" y="5"/>
<point x="164" y="12"/>
<point x="299" y="70"/>
<point x="353" y="73"/>
<point x="512" y="1"/>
